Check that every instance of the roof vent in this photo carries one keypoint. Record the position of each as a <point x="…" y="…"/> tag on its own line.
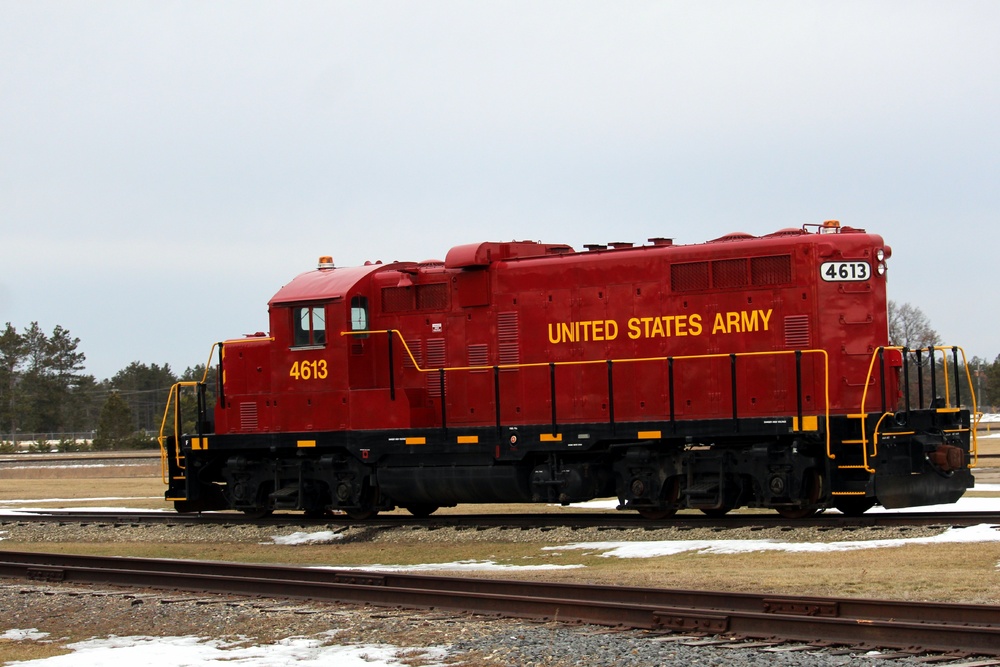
<point x="593" y="247"/>
<point x="658" y="241"/>
<point x="325" y="262"/>
<point x="618" y="245"/>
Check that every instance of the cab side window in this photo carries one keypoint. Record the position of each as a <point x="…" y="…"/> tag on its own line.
<point x="308" y="326"/>
<point x="359" y="313"/>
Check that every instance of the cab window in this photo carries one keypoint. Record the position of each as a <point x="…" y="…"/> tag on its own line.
<point x="359" y="313"/>
<point x="308" y="326"/>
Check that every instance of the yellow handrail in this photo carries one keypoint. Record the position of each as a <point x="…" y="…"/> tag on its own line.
<point x="545" y="364"/>
<point x="974" y="442"/>
<point x="173" y="399"/>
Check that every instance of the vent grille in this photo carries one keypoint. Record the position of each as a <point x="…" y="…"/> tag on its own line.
<point x="248" y="416"/>
<point x="397" y="299"/>
<point x="729" y="273"/>
<point x="421" y="297"/>
<point x="509" y="338"/>
<point x="688" y="277"/>
<point x="417" y="350"/>
<point x="797" y="335"/>
<point x="432" y="297"/>
<point x="771" y="270"/>
<point x="435" y="360"/>
<point x="479" y="354"/>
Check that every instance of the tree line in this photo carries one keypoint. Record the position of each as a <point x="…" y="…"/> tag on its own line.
<point x="47" y="401"/>
<point x="45" y="392"/>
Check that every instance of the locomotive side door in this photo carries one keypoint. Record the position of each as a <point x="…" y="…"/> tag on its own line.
<point x="360" y="357"/>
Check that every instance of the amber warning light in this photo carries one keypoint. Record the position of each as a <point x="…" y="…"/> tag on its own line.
<point x="325" y="262"/>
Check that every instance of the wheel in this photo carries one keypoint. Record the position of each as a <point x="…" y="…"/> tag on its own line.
<point x="853" y="505"/>
<point x="361" y="514"/>
<point x="656" y="514"/>
<point x="421" y="511"/>
<point x="815" y="490"/>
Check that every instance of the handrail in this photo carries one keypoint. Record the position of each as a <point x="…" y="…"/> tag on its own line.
<point x="590" y="362"/>
<point x="954" y="349"/>
<point x="174" y="399"/>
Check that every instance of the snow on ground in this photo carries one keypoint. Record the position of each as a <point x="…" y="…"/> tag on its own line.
<point x="455" y="566"/>
<point x="202" y="652"/>
<point x="965" y="504"/>
<point x="654" y="549"/>
<point x="319" y="537"/>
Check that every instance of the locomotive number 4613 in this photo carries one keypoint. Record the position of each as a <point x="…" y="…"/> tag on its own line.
<point x="308" y="370"/>
<point x="835" y="272"/>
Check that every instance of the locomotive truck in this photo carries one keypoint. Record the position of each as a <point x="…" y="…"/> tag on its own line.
<point x="746" y="371"/>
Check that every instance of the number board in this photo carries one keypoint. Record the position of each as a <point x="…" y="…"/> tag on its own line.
<point x="839" y="272"/>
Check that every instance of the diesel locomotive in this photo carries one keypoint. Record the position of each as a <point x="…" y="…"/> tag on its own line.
<point x="746" y="371"/>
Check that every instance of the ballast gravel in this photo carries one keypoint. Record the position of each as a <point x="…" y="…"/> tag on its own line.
<point x="14" y="531"/>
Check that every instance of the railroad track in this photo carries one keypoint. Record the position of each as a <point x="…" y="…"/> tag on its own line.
<point x="910" y="627"/>
<point x="605" y="521"/>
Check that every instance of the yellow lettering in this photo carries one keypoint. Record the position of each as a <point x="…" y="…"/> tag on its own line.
<point x="657" y="327"/>
<point x="568" y="335"/>
<point x="598" y="328"/>
<point x="610" y="330"/>
<point x="720" y="324"/>
<point x="694" y="322"/>
<point x="765" y="316"/>
<point x="732" y="320"/>
<point x="646" y="321"/>
<point x="749" y="320"/>
<point x="555" y="340"/>
<point x="633" y="328"/>
<point x="681" y="325"/>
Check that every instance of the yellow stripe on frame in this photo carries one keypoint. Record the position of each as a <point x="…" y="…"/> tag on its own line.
<point x="416" y="441"/>
<point x="306" y="443"/>
<point x="199" y="444"/>
<point x="549" y="437"/>
<point x="468" y="439"/>
<point x="650" y="435"/>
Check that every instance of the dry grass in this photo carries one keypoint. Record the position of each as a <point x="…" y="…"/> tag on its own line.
<point x="13" y="651"/>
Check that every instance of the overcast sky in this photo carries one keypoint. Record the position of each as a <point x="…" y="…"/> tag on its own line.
<point x="165" y="167"/>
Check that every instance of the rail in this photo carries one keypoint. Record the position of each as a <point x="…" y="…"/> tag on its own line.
<point x="610" y="363"/>
<point x="879" y="355"/>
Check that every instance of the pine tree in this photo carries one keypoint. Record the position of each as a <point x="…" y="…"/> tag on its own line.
<point x="115" y="429"/>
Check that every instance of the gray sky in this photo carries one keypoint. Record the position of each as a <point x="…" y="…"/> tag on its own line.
<point x="165" y="167"/>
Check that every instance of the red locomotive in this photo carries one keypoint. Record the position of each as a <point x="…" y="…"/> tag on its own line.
<point x="745" y="371"/>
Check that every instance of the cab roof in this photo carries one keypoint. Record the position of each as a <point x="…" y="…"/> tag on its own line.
<point x="326" y="284"/>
